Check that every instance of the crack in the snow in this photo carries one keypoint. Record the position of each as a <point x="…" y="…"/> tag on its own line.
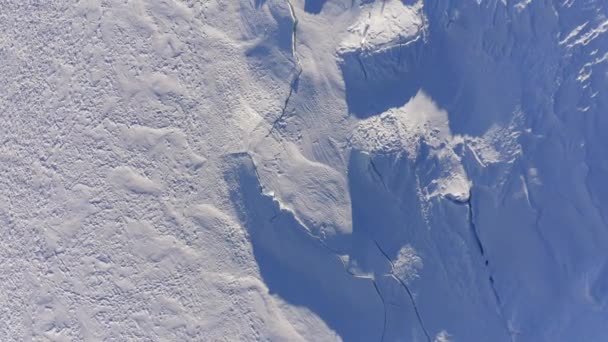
<point x="475" y="233"/>
<point x="298" y="66"/>
<point x="377" y="172"/>
<point x="279" y="119"/>
<point x="322" y="243"/>
<point x="473" y="227"/>
<point x="372" y="280"/>
<point x="409" y="293"/>
<point x="384" y="305"/>
<point x="362" y="66"/>
<point x="333" y="252"/>
<point x="407" y="290"/>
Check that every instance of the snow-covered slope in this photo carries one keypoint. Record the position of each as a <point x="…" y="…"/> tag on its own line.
<point x="306" y="170"/>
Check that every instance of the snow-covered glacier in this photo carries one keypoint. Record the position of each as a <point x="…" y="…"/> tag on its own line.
<point x="304" y="170"/>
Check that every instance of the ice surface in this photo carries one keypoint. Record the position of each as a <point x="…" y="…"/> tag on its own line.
<point x="304" y="170"/>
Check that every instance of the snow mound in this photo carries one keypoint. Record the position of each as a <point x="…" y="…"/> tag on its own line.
<point x="408" y="264"/>
<point x="314" y="193"/>
<point x="412" y="129"/>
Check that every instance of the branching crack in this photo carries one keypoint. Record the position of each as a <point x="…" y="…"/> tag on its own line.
<point x="324" y="245"/>
<point x="407" y="291"/>
<point x="337" y="254"/>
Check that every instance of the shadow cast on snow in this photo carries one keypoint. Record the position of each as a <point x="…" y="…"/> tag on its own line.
<point x="475" y="84"/>
<point x="297" y="267"/>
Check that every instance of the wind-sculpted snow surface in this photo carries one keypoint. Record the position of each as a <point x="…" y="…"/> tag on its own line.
<point x="304" y="170"/>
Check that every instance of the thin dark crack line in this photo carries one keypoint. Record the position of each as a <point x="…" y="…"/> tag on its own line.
<point x="323" y="244"/>
<point x="475" y="233"/>
<point x="362" y="66"/>
<point x="375" y="170"/>
<point x="411" y="296"/>
<point x="298" y="67"/>
<point x="384" y="306"/>
<point x="472" y="225"/>
<point x="407" y="290"/>
<point x="373" y="281"/>
<point x="392" y="270"/>
<point x="285" y="104"/>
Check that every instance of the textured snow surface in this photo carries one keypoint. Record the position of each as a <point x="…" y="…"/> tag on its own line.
<point x="304" y="170"/>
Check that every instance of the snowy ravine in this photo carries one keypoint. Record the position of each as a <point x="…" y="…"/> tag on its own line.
<point x="304" y="170"/>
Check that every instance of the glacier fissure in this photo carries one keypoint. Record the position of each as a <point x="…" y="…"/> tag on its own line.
<point x="298" y="69"/>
